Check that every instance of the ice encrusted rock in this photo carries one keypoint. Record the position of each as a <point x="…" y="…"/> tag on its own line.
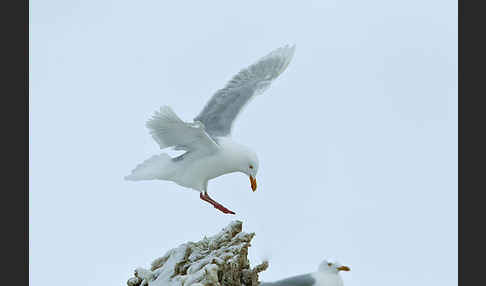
<point x="220" y="260"/>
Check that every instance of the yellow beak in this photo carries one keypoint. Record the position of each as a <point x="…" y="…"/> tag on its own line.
<point x="253" y="183"/>
<point x="343" y="268"/>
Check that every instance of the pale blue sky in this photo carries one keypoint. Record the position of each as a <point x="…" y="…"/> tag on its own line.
<point x="357" y="140"/>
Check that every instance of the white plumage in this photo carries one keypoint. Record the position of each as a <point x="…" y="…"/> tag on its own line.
<point x="326" y="275"/>
<point x="209" y="150"/>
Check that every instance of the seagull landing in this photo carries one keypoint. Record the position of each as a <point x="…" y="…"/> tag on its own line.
<point x="209" y="150"/>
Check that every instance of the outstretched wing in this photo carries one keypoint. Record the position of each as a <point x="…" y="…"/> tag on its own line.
<point x="220" y="112"/>
<point x="169" y="130"/>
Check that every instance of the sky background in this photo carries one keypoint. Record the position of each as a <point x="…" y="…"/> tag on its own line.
<point x="357" y="139"/>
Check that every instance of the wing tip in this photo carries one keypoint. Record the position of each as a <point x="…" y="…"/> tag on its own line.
<point x="287" y="51"/>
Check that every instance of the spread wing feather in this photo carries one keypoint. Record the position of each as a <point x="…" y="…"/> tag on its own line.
<point x="168" y="130"/>
<point x="222" y="109"/>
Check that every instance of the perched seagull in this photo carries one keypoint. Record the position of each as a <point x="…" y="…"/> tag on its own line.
<point x="326" y="275"/>
<point x="209" y="150"/>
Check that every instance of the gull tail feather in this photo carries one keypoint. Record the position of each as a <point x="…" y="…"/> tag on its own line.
<point x="156" y="167"/>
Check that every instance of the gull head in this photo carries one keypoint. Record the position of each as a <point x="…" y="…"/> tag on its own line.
<point x="332" y="267"/>
<point x="248" y="164"/>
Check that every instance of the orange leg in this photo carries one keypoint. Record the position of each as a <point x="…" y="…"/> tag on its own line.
<point x="207" y="198"/>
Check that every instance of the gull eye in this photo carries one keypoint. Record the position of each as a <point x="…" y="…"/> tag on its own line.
<point x="251" y="166"/>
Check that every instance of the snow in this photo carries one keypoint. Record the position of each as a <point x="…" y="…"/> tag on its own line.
<point x="210" y="261"/>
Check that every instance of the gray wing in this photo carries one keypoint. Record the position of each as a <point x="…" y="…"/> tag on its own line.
<point x="300" y="280"/>
<point x="225" y="105"/>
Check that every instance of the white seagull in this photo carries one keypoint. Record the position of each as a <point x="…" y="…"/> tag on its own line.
<point x="209" y="150"/>
<point x="327" y="275"/>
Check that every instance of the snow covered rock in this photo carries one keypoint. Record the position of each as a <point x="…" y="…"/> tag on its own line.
<point x="220" y="260"/>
